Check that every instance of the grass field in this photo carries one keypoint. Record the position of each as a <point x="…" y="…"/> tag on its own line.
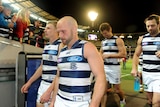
<point x="126" y="73"/>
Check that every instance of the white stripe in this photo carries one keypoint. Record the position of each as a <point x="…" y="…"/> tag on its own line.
<point x="45" y="67"/>
<point x="72" y="52"/>
<point x="151" y="66"/>
<point x="47" y="57"/>
<point x="75" y="81"/>
<point x="153" y="39"/>
<point x="80" y="66"/>
<point x="48" y="77"/>
<point x="51" y="47"/>
<point x="4" y="35"/>
<point x="86" y="96"/>
<point x="151" y="57"/>
<point x="6" y="30"/>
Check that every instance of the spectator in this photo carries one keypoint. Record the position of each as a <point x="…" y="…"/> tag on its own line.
<point x="40" y="40"/>
<point x="22" y="22"/>
<point x="1" y="7"/>
<point x="7" y="23"/>
<point x="35" y="31"/>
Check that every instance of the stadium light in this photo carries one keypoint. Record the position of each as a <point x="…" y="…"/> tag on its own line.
<point x="93" y="16"/>
<point x="42" y="19"/>
<point x="34" y="16"/>
<point x="15" y="7"/>
<point x="5" y="1"/>
<point x="129" y="36"/>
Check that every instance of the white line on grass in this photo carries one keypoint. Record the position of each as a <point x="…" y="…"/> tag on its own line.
<point x="124" y="75"/>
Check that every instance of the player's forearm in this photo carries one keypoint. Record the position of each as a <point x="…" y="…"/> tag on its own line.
<point x="134" y="62"/>
<point x="36" y="75"/>
<point x="100" y="84"/>
<point x="55" y="87"/>
<point x="51" y="87"/>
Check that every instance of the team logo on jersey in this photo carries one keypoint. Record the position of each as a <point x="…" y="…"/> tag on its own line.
<point x="50" y="57"/>
<point x="59" y="60"/>
<point x="110" y="44"/>
<point x="156" y="43"/>
<point x="53" y="52"/>
<point x="144" y="43"/>
<point x="74" y="58"/>
<point x="73" y="66"/>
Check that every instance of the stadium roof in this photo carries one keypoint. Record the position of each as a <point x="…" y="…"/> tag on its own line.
<point x="36" y="12"/>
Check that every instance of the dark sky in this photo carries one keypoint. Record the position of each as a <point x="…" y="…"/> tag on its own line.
<point x="125" y="16"/>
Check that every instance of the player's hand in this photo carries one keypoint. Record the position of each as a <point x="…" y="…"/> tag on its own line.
<point x="158" y="54"/>
<point x="134" y="73"/>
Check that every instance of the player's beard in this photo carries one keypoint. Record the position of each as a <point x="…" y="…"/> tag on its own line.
<point x="153" y="32"/>
<point x="66" y="41"/>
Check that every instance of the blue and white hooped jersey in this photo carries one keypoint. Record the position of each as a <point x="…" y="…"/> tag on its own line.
<point x="150" y="45"/>
<point x="75" y="73"/>
<point x="109" y="46"/>
<point x="49" y="57"/>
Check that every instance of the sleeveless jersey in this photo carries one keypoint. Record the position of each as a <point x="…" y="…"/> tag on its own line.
<point x="109" y="46"/>
<point x="75" y="73"/>
<point x="150" y="45"/>
<point x="49" y="57"/>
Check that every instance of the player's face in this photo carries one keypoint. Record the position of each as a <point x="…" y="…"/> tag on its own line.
<point x="106" y="34"/>
<point x="50" y="30"/>
<point x="152" y="27"/>
<point x="65" y="33"/>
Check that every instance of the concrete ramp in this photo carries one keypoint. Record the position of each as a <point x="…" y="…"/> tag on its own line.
<point x="9" y="50"/>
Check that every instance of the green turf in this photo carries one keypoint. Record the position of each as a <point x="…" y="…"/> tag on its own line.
<point x="127" y="70"/>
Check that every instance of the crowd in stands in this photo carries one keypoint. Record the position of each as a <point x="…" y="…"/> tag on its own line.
<point x="17" y="26"/>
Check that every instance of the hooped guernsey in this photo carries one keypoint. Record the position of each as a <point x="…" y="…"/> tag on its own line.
<point x="109" y="46"/>
<point x="150" y="45"/>
<point x="49" y="62"/>
<point x="75" y="74"/>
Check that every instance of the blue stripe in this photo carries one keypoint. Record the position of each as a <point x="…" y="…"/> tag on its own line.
<point x="75" y="74"/>
<point x="64" y="98"/>
<point x="149" y="52"/>
<point x="49" y="63"/>
<point x="110" y="63"/>
<point x="150" y="70"/>
<point x="77" y="44"/>
<point x="75" y="89"/>
<point x="154" y="62"/>
<point x="57" y="42"/>
<point x="47" y="80"/>
<point x="54" y="72"/>
<point x="110" y="44"/>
